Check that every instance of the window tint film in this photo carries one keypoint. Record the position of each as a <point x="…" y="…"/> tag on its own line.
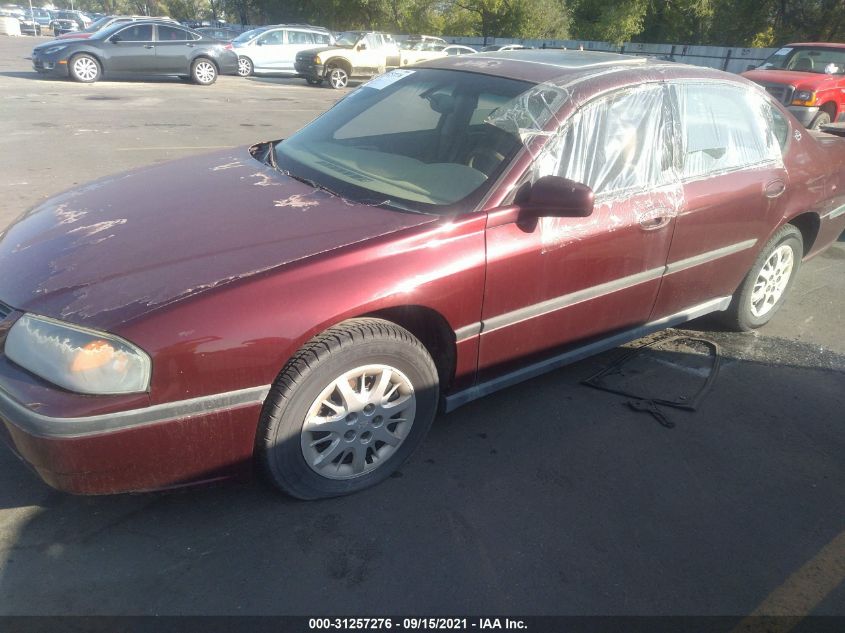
<point x="137" y="33"/>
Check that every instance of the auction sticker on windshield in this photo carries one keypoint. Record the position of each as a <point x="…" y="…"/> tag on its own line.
<point x="383" y="81"/>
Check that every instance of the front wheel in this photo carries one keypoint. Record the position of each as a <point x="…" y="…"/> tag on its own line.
<point x="822" y="118"/>
<point x="314" y="81"/>
<point x="764" y="289"/>
<point x="338" y="77"/>
<point x="245" y="67"/>
<point x="347" y="410"/>
<point x="84" y="68"/>
<point x="204" y="72"/>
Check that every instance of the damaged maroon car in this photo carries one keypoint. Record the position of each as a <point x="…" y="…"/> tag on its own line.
<point x="443" y="232"/>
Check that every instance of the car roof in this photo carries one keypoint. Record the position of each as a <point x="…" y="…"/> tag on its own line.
<point x="824" y="44"/>
<point x="585" y="72"/>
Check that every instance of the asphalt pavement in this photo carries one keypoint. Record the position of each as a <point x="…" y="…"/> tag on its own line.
<point x="550" y="497"/>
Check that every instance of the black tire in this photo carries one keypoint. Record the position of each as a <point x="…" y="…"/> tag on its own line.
<point x="203" y="71"/>
<point x="245" y="67"/>
<point x="84" y="68"/>
<point x="337" y="77"/>
<point x="822" y="118"/>
<point x="280" y="446"/>
<point x="740" y="315"/>
<point x="314" y="81"/>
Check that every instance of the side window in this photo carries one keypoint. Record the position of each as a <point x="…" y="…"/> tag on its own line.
<point x="373" y="41"/>
<point x="616" y="143"/>
<point x="172" y="34"/>
<point x="780" y="127"/>
<point x="320" y="38"/>
<point x="299" y="37"/>
<point x="723" y="128"/>
<point x="273" y="38"/>
<point x="136" y="33"/>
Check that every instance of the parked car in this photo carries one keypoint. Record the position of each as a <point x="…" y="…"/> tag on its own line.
<point x="809" y="79"/>
<point x="150" y="47"/>
<point x="66" y="22"/>
<point x="356" y="55"/>
<point x="222" y="33"/>
<point x="273" y="49"/>
<point x="106" y="21"/>
<point x="41" y="16"/>
<point x="442" y="232"/>
<point x="30" y="26"/>
<point x="457" y="49"/>
<point x="502" y="47"/>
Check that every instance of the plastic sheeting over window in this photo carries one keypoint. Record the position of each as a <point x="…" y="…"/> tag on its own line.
<point x="614" y="144"/>
<point x="724" y="128"/>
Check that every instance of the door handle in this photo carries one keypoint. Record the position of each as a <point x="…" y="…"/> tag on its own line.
<point x="775" y="188"/>
<point x="657" y="219"/>
<point x="148" y="45"/>
<point x="189" y="45"/>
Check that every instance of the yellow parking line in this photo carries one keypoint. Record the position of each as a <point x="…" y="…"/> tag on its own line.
<point x="802" y="592"/>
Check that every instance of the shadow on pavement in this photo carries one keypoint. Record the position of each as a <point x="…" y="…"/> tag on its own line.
<point x="547" y="498"/>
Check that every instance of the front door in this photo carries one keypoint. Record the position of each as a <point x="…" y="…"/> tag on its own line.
<point x="268" y="51"/>
<point x="561" y="281"/>
<point x="131" y="50"/>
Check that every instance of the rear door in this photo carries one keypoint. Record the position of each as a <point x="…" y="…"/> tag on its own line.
<point x="174" y="49"/>
<point x="734" y="185"/>
<point x="131" y="50"/>
<point x="297" y="41"/>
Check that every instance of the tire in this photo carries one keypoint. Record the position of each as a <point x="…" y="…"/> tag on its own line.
<point x="245" y="67"/>
<point x="203" y="71"/>
<point x="337" y="77"/>
<point x="84" y="68"/>
<point x="349" y="453"/>
<point x="822" y="118"/>
<point x="780" y="257"/>
<point x="314" y="81"/>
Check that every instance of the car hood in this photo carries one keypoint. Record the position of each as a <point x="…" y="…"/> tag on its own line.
<point x="801" y="80"/>
<point x="74" y="36"/>
<point x="125" y="245"/>
<point x="324" y="49"/>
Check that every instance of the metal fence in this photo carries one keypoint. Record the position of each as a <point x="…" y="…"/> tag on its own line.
<point x="732" y="59"/>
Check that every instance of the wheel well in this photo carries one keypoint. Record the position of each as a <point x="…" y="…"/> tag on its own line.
<point x="340" y="62"/>
<point x="432" y="330"/>
<point x="808" y="224"/>
<point x="98" y="60"/>
<point x="207" y="58"/>
<point x="830" y="108"/>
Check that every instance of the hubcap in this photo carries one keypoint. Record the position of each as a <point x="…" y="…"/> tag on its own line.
<point x="338" y="78"/>
<point x="205" y="72"/>
<point x="244" y="67"/>
<point x="772" y="280"/>
<point x="358" y="421"/>
<point x="86" y="69"/>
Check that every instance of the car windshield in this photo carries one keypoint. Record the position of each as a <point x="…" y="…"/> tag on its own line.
<point x="247" y="36"/>
<point x="350" y="38"/>
<point x="424" y="140"/>
<point x="816" y="59"/>
<point x="96" y="26"/>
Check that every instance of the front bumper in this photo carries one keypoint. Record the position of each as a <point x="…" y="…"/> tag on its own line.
<point x="804" y="114"/>
<point x="309" y="69"/>
<point x="49" y="65"/>
<point x="112" y="444"/>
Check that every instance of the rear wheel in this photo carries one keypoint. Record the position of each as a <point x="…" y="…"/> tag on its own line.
<point x="203" y="72"/>
<point x="338" y="77"/>
<point x="347" y="410"/>
<point x="84" y="68"/>
<point x="245" y="67"/>
<point x="764" y="289"/>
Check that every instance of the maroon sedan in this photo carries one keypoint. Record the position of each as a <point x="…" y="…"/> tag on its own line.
<point x="442" y="232"/>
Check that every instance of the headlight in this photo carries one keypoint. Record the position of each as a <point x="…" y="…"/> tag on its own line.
<point x="803" y="97"/>
<point x="54" y="49"/>
<point x="317" y="59"/>
<point x="78" y="359"/>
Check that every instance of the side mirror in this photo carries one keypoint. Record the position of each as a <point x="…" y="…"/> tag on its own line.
<point x="553" y="196"/>
<point x="362" y="46"/>
<point x="750" y="67"/>
<point x="114" y="39"/>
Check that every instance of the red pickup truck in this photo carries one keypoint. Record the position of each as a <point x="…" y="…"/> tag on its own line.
<point x="808" y="78"/>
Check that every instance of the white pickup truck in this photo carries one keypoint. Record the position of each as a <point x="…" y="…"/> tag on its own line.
<point x="356" y="55"/>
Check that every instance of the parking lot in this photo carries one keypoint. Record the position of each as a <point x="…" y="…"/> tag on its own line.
<point x="547" y="498"/>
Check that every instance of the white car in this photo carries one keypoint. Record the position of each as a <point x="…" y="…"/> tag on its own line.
<point x="273" y="49"/>
<point x="457" y="49"/>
